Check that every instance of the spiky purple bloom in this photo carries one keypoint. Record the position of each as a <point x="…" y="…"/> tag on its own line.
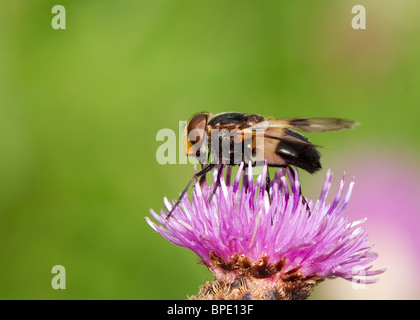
<point x="268" y="246"/>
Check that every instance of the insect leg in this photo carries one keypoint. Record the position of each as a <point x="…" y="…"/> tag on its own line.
<point x="195" y="176"/>
<point x="267" y="185"/>
<point x="217" y="184"/>
<point x="203" y="166"/>
<point x="203" y="177"/>
<point x="300" y="192"/>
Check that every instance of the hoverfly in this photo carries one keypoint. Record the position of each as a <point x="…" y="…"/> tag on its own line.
<point x="230" y="138"/>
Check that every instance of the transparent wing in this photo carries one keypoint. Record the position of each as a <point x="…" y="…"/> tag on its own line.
<point x="312" y="125"/>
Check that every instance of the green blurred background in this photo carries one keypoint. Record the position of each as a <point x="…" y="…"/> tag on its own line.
<point x="80" y="109"/>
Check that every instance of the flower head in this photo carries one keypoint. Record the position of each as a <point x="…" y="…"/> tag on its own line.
<point x="268" y="245"/>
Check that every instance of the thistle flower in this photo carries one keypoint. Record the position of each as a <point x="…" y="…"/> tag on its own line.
<point x="268" y="245"/>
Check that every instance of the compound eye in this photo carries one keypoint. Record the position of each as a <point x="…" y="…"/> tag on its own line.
<point x="196" y="129"/>
<point x="198" y="122"/>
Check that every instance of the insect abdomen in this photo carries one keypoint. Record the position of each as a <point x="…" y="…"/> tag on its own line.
<point x="303" y="155"/>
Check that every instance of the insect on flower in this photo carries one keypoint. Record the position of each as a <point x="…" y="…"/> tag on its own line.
<point x="271" y="250"/>
<point x="231" y="138"/>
